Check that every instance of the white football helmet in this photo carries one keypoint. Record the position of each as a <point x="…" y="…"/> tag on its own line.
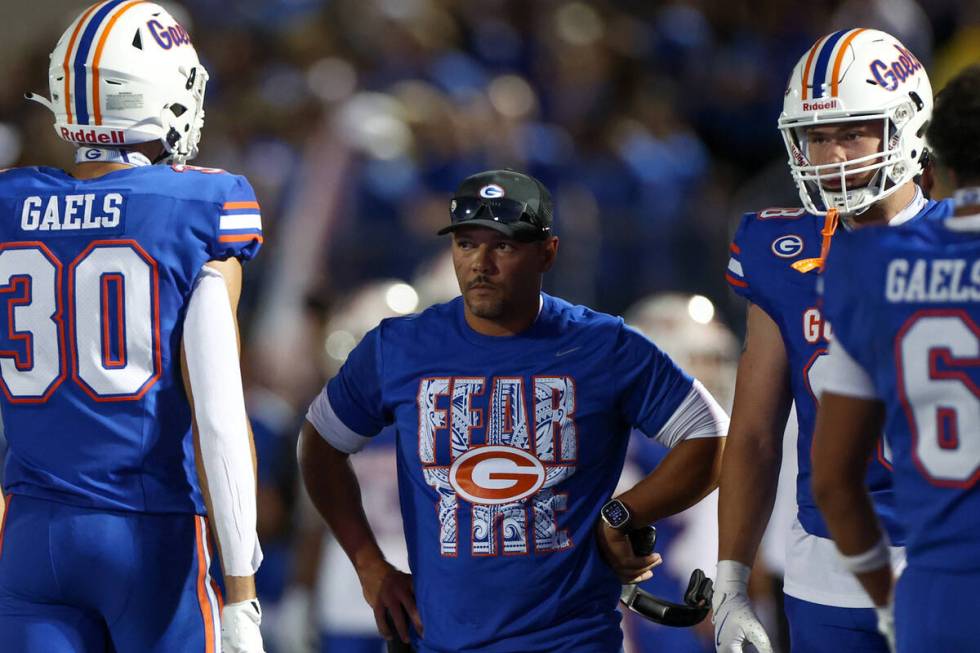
<point x="685" y="328"/>
<point x="856" y="75"/>
<point x="123" y="73"/>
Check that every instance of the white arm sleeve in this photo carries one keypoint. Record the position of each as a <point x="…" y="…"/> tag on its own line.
<point x="330" y="427"/>
<point x="698" y="416"/>
<point x="211" y="344"/>
<point x="844" y="376"/>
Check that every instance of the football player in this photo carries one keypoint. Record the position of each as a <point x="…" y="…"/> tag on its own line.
<point x="119" y="363"/>
<point x="853" y="118"/>
<point x="905" y="305"/>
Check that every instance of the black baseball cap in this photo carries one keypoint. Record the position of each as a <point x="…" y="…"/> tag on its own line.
<point x="515" y="204"/>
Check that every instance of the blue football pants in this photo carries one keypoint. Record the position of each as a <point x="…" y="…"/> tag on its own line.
<point x="78" y="580"/>
<point x="937" y="610"/>
<point x="816" y="628"/>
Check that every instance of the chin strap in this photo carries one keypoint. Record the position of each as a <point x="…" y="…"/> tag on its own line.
<point x="829" y="227"/>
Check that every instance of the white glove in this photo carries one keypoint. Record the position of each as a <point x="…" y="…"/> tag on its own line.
<point x="240" y="627"/>
<point x="735" y="622"/>
<point x="886" y="623"/>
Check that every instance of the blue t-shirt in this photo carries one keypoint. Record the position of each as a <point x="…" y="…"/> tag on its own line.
<point x="905" y="304"/>
<point x="507" y="449"/>
<point x="764" y="248"/>
<point x="95" y="276"/>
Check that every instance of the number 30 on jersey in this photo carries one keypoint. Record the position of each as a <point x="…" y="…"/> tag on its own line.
<point x="101" y="313"/>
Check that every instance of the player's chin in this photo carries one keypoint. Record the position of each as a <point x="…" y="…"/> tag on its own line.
<point x="484" y="304"/>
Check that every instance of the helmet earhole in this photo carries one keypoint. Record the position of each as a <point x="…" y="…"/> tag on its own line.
<point x="178" y="109"/>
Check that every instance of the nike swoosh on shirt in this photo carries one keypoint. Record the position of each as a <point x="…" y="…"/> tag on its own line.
<point x="567" y="351"/>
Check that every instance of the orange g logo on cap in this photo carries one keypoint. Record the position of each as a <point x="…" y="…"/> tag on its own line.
<point x="496" y="474"/>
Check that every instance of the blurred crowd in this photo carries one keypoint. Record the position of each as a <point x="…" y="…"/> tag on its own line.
<point x="653" y="123"/>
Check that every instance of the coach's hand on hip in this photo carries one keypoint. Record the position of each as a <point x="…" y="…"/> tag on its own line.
<point x="388" y="589"/>
<point x="616" y="550"/>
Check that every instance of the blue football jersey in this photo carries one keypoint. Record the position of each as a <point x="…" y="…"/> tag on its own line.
<point x="764" y="248"/>
<point x="507" y="449"/>
<point x="905" y="304"/>
<point x="95" y="276"/>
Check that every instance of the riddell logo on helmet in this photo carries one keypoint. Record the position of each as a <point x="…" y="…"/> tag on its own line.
<point x="821" y="105"/>
<point x="116" y="136"/>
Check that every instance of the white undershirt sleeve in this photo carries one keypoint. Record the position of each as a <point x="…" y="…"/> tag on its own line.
<point x="844" y="376"/>
<point x="211" y="345"/>
<point x="698" y="416"/>
<point x="331" y="428"/>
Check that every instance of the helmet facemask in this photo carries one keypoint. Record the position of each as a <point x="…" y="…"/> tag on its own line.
<point x="182" y="125"/>
<point x="832" y="185"/>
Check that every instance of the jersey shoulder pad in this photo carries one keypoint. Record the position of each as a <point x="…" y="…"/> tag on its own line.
<point x="203" y="184"/>
<point x="10" y="178"/>
<point x="230" y="211"/>
<point x="936" y="210"/>
<point x="856" y="261"/>
<point x="843" y="245"/>
<point x="184" y="167"/>
<point x="29" y="180"/>
<point x="766" y="243"/>
<point x="780" y="213"/>
<point x="758" y="228"/>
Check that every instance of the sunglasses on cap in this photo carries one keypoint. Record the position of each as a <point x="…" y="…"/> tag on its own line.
<point x="500" y="209"/>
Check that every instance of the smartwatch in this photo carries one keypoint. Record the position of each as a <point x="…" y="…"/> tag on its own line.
<point x="615" y="514"/>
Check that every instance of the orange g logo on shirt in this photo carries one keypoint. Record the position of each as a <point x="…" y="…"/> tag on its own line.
<point x="496" y="474"/>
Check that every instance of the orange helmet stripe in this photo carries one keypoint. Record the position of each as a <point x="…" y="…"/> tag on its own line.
<point x="98" y="58"/>
<point x="67" y="63"/>
<point x="840" y="60"/>
<point x="809" y="62"/>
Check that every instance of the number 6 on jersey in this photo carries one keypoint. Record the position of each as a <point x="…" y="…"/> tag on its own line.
<point x="939" y="397"/>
